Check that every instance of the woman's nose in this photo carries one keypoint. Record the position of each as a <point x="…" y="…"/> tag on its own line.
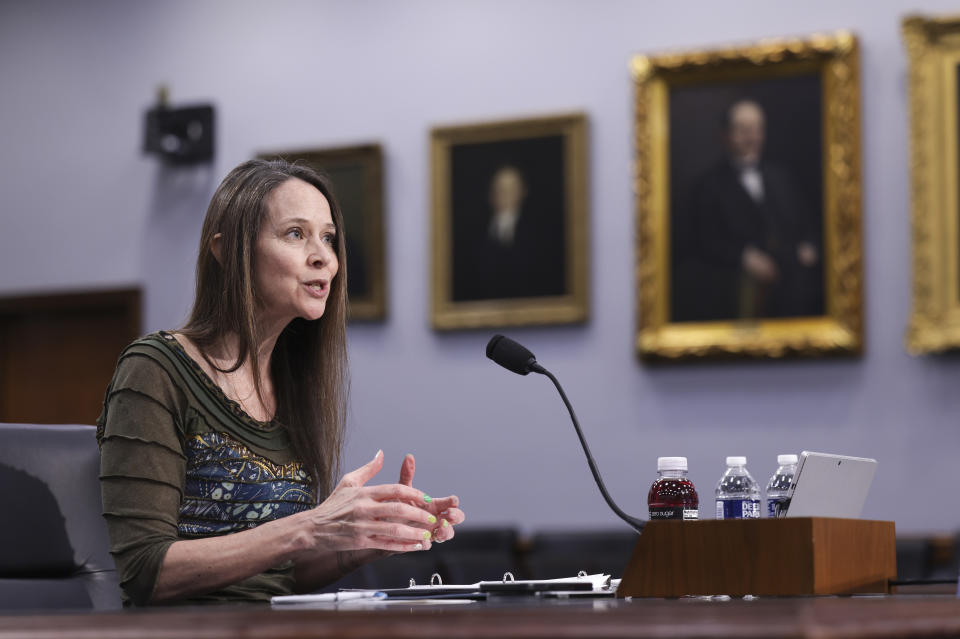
<point x="320" y="254"/>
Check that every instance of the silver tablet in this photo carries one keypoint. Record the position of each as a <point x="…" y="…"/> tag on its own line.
<point x="830" y="486"/>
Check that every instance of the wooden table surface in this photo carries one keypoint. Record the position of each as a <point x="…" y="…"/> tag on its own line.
<point x="892" y="616"/>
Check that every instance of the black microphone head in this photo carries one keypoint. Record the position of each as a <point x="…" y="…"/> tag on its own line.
<point x="510" y="355"/>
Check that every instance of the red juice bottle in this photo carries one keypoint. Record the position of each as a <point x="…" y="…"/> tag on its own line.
<point x="673" y="496"/>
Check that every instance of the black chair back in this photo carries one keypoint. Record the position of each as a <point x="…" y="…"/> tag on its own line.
<point x="54" y="550"/>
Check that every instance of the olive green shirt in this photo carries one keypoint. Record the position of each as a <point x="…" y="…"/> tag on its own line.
<point x="180" y="460"/>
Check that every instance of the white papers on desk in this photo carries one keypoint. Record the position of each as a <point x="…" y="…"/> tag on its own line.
<point x="598" y="582"/>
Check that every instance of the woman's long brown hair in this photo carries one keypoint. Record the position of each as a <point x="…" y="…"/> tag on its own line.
<point x="308" y="367"/>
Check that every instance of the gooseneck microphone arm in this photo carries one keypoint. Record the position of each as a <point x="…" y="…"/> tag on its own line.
<point x="637" y="524"/>
<point x="518" y="359"/>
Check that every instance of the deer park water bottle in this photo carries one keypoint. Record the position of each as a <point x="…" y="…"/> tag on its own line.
<point x="738" y="494"/>
<point x="778" y="488"/>
<point x="672" y="495"/>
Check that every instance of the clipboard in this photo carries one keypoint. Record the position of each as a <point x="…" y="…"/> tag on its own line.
<point x="583" y="585"/>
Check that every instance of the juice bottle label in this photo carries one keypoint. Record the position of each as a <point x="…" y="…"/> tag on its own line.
<point x="738" y="509"/>
<point x="674" y="512"/>
<point x="666" y="512"/>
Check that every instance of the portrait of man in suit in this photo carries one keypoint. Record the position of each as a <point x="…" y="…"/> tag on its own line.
<point x="508" y="220"/>
<point x="747" y="241"/>
<point x="507" y="191"/>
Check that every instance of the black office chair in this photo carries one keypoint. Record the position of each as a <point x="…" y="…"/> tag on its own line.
<point x="474" y="554"/>
<point x="480" y="554"/>
<point x="913" y="558"/>
<point x="54" y="550"/>
<point x="553" y="555"/>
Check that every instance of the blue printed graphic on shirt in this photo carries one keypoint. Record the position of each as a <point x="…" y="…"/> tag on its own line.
<point x="229" y="487"/>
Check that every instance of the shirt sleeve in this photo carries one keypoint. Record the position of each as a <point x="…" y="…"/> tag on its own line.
<point x="142" y="471"/>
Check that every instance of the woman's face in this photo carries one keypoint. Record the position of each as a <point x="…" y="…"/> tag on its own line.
<point x="295" y="254"/>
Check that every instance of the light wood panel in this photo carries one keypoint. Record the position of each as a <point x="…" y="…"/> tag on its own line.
<point x="782" y="557"/>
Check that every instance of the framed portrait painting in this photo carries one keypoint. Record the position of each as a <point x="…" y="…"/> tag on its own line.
<point x="357" y="176"/>
<point x="747" y="189"/>
<point x="509" y="223"/>
<point x="933" y="48"/>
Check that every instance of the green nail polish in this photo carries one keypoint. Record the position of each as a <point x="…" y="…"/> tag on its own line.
<point x="427" y="498"/>
<point x="445" y="523"/>
<point x="432" y="519"/>
<point x="426" y="534"/>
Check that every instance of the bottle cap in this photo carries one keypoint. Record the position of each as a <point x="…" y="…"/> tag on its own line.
<point x="736" y="461"/>
<point x="786" y="460"/>
<point x="671" y="463"/>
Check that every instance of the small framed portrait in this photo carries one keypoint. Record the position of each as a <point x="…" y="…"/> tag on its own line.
<point x="933" y="48"/>
<point x="509" y="223"/>
<point x="748" y="200"/>
<point x="357" y="176"/>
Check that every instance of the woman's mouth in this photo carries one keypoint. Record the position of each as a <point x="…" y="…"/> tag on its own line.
<point x="317" y="288"/>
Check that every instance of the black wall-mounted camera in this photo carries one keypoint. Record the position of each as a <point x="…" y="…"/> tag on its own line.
<point x="180" y="136"/>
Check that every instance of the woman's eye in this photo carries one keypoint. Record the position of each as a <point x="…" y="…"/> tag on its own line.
<point x="295" y="233"/>
<point x="330" y="239"/>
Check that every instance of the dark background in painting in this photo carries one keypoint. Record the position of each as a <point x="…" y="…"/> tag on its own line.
<point x="349" y="182"/>
<point x="793" y="108"/>
<point x="536" y="269"/>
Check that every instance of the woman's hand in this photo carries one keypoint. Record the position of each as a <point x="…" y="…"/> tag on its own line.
<point x="390" y="517"/>
<point x="324" y="565"/>
<point x="445" y="509"/>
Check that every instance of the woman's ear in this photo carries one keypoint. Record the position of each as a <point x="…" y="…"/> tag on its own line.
<point x="216" y="247"/>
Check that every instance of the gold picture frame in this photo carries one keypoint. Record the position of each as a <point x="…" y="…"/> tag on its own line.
<point x="822" y="71"/>
<point x="357" y="176"/>
<point x="933" y="48"/>
<point x="531" y="270"/>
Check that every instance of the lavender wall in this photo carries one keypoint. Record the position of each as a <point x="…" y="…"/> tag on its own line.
<point x="82" y="208"/>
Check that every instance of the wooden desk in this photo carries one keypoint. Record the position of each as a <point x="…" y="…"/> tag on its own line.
<point x="901" y="616"/>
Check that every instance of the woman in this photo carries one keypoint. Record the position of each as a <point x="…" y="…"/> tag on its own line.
<point x="220" y="442"/>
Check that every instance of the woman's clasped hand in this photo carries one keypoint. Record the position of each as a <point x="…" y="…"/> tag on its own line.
<point x="388" y="517"/>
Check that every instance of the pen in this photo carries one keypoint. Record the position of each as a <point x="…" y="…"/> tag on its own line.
<point x="350" y="595"/>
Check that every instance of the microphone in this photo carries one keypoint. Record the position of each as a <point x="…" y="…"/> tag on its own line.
<point x="514" y="357"/>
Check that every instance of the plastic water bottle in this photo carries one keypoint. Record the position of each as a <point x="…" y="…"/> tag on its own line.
<point x="778" y="488"/>
<point x="738" y="494"/>
<point x="673" y="496"/>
